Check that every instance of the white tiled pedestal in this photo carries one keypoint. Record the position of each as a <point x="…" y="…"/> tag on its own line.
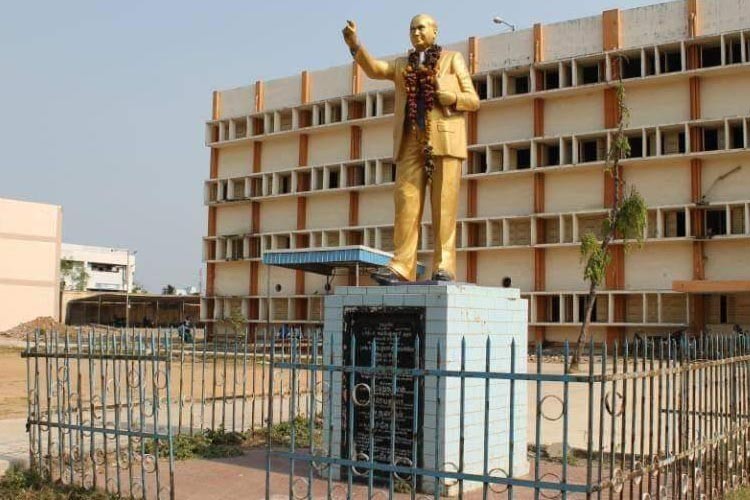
<point x="452" y="312"/>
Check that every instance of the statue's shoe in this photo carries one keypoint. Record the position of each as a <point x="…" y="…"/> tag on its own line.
<point x="385" y="276"/>
<point x="443" y="275"/>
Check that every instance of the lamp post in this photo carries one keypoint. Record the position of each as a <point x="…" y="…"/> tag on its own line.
<point x="128" y="282"/>
<point x="500" y="20"/>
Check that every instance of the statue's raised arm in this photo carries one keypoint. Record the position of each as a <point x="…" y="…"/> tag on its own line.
<point x="374" y="68"/>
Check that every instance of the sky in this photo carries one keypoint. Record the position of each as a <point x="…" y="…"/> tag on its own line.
<point x="103" y="103"/>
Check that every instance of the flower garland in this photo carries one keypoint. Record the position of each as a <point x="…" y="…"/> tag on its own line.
<point x="422" y="77"/>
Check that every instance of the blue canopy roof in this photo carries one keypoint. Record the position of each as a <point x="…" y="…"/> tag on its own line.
<point x="326" y="260"/>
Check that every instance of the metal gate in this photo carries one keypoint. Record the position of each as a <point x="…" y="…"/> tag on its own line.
<point x="650" y="419"/>
<point x="99" y="410"/>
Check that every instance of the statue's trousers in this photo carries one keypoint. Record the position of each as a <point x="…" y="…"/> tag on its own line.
<point x="411" y="187"/>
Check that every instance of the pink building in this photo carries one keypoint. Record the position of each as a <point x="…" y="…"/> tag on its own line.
<point x="30" y="239"/>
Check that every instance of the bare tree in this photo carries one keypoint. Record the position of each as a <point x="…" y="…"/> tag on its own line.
<point x="626" y="221"/>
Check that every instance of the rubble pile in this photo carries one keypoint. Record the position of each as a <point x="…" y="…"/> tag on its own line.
<point x="43" y="323"/>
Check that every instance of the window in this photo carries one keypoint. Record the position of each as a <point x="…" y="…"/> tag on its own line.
<point x="104" y="268"/>
<point x="553" y="309"/>
<point x="680" y="216"/>
<point x="389" y="104"/>
<point x="285" y="120"/>
<point x="335" y="113"/>
<point x="711" y="56"/>
<point x="650" y="63"/>
<point x="477" y="161"/>
<point x="736" y="139"/>
<point x="716" y="222"/>
<point x="710" y="139"/>
<point x="636" y="146"/>
<point x="497" y="85"/>
<point x="590" y="74"/>
<point x="582" y="301"/>
<point x="285" y="184"/>
<point x="549" y="155"/>
<point x="389" y="171"/>
<point x="674" y="224"/>
<point x="548" y="78"/>
<point x="356" y="175"/>
<point x="672" y="142"/>
<point x="522" y="84"/>
<point x="588" y="151"/>
<point x="258" y="126"/>
<point x="480" y="84"/>
<point x="305" y="118"/>
<point x="551" y="79"/>
<point x="723" y="310"/>
<point x="333" y="180"/>
<point x="671" y="61"/>
<point x="631" y="66"/>
<point x="237" y="248"/>
<point x="523" y="158"/>
<point x="734" y="52"/>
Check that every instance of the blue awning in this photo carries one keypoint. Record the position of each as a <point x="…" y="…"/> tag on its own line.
<point x="326" y="260"/>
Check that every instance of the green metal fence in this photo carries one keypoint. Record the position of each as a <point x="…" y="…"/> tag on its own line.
<point x="646" y="419"/>
<point x="99" y="413"/>
<point x="641" y="420"/>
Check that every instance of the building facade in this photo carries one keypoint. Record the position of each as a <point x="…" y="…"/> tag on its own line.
<point x="305" y="162"/>
<point x="89" y="267"/>
<point x="30" y="238"/>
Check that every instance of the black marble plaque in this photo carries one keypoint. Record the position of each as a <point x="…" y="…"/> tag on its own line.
<point x="384" y="325"/>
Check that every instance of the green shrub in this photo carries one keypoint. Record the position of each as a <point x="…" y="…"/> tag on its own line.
<point x="22" y="483"/>
<point x="208" y="444"/>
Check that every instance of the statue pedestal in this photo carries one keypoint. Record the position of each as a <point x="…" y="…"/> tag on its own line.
<point x="426" y="407"/>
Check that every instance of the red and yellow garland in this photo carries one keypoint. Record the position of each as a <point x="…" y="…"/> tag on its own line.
<point x="422" y="77"/>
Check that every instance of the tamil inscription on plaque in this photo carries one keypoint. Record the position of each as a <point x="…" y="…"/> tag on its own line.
<point x="375" y="394"/>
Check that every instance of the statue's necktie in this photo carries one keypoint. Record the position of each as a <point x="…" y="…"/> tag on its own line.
<point x="421" y="119"/>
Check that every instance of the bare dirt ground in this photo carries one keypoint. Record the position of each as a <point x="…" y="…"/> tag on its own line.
<point x="13" y="376"/>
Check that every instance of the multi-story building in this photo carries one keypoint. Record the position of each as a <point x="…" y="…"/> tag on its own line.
<point x="30" y="236"/>
<point x="104" y="268"/>
<point x="305" y="162"/>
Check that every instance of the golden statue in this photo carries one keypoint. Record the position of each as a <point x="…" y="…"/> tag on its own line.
<point x="433" y="93"/>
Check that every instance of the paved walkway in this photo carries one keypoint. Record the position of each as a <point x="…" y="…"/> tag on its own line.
<point x="14" y="443"/>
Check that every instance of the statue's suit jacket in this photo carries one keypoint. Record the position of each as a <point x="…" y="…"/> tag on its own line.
<point x="447" y="132"/>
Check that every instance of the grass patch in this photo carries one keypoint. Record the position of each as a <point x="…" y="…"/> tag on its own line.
<point x="741" y="494"/>
<point x="281" y="433"/>
<point x="208" y="444"/>
<point x="22" y="483"/>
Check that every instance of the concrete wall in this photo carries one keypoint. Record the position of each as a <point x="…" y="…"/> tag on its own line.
<point x="509" y="121"/>
<point x="574" y="114"/>
<point x="280" y="153"/>
<point x="641" y="27"/>
<point x="331" y="82"/>
<point x="235" y="161"/>
<point x="714" y="92"/>
<point x="30" y="239"/>
<point x="665" y="184"/>
<point x="328" y="211"/>
<point x="573" y="38"/>
<point x="670" y="17"/>
<point x="658" y="104"/>
<point x="377" y="140"/>
<point x="237" y="102"/>
<point x="723" y="15"/>
<point x="328" y="147"/>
